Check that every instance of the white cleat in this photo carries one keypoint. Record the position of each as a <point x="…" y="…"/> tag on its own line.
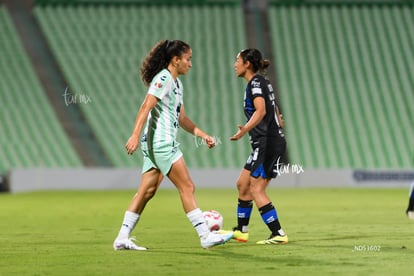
<point x="127" y="244"/>
<point x="410" y="214"/>
<point x="214" y="239"/>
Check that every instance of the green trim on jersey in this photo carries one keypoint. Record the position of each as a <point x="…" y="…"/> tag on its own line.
<point x="162" y="122"/>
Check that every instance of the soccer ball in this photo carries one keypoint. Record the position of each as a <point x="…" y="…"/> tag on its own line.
<point x="213" y="219"/>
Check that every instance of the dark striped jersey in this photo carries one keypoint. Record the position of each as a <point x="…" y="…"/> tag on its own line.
<point x="269" y="126"/>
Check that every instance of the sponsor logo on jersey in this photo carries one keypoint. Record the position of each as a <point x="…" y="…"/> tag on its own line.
<point x="255" y="83"/>
<point x="256" y="91"/>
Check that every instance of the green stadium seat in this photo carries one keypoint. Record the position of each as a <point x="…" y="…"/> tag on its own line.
<point x="30" y="133"/>
<point x="344" y="75"/>
<point x="100" y="49"/>
<point x="346" y="83"/>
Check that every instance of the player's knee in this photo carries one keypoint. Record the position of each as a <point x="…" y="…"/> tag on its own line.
<point x="242" y="186"/>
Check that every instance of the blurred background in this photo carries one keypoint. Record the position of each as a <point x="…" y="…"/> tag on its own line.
<point x="70" y="87"/>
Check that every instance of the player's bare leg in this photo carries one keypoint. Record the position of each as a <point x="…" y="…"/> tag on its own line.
<point x="258" y="191"/>
<point x="150" y="182"/>
<point x="180" y="176"/>
<point x="243" y="185"/>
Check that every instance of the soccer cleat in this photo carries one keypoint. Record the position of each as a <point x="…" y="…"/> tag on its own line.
<point x="127" y="244"/>
<point x="215" y="238"/>
<point x="240" y="236"/>
<point x="237" y="234"/>
<point x="275" y="240"/>
<point x="410" y="214"/>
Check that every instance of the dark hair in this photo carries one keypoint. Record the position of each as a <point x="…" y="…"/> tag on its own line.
<point x="255" y="58"/>
<point x="160" y="56"/>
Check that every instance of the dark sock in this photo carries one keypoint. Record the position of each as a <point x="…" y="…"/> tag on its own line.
<point x="244" y="210"/>
<point x="270" y="218"/>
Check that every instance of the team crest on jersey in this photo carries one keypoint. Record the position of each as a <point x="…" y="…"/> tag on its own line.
<point x="176" y="91"/>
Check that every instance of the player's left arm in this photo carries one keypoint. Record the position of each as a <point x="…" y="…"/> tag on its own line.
<point x="280" y="117"/>
<point x="190" y="127"/>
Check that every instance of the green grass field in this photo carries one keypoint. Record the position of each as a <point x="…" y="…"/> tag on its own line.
<point x="331" y="231"/>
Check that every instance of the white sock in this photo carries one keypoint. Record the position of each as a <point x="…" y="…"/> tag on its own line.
<point x="128" y="224"/>
<point x="197" y="220"/>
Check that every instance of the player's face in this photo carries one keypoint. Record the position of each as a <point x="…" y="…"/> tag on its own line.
<point x="239" y="66"/>
<point x="184" y="63"/>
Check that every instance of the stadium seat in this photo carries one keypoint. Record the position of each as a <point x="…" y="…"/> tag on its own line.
<point x="345" y="78"/>
<point x="30" y="133"/>
<point x="100" y="49"/>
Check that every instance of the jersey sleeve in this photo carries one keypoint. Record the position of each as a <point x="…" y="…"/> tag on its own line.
<point x="159" y="85"/>
<point x="257" y="86"/>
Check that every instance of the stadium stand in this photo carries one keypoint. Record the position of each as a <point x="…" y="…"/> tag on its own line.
<point x="100" y="48"/>
<point x="29" y="130"/>
<point x="345" y="78"/>
<point x="338" y="2"/>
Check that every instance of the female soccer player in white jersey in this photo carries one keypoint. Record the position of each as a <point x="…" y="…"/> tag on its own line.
<point x="264" y="126"/>
<point x="163" y="112"/>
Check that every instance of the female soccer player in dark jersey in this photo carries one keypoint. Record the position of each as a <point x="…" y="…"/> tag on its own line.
<point x="264" y="126"/>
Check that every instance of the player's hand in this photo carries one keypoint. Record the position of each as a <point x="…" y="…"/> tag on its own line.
<point x="132" y="144"/>
<point x="239" y="134"/>
<point x="210" y="141"/>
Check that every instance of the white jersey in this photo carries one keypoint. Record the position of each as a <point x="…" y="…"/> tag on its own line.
<point x="162" y="122"/>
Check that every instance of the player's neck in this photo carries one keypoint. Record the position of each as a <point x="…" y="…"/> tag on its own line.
<point x="173" y="71"/>
<point x="249" y="75"/>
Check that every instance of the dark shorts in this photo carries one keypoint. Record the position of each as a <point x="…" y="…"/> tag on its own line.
<point x="266" y="156"/>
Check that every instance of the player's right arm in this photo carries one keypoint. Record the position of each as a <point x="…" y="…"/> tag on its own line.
<point x="133" y="142"/>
